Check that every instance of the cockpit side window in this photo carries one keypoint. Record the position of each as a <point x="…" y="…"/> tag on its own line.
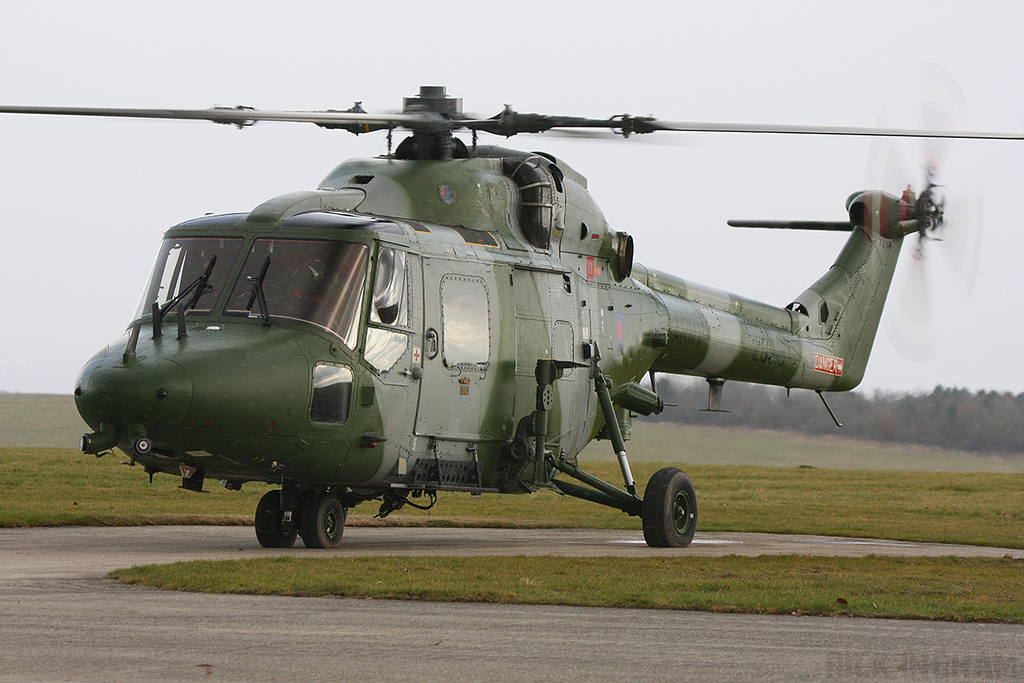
<point x="389" y="308"/>
<point x="389" y="301"/>
<point x="319" y="281"/>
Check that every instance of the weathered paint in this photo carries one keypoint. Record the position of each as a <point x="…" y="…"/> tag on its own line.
<point x="237" y="394"/>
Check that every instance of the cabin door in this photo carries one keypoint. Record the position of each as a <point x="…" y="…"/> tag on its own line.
<point x="459" y="400"/>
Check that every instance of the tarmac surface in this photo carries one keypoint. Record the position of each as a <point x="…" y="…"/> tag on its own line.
<point x="62" y="620"/>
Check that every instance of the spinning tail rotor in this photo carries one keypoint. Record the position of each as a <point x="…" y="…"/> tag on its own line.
<point x="912" y="328"/>
<point x="930" y="208"/>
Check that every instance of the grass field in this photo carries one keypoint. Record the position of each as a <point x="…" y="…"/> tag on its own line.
<point x="62" y="486"/>
<point x="672" y="443"/>
<point x="946" y="588"/>
<point x="40" y="420"/>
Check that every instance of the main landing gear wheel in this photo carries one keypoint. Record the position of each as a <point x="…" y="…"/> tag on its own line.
<point x="322" y="521"/>
<point x="669" y="509"/>
<point x="270" y="527"/>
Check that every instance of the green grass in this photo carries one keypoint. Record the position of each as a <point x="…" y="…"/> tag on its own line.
<point x="56" y="487"/>
<point x="40" y="420"/>
<point x="903" y="588"/>
<point x="61" y="487"/>
<point x="709" y="445"/>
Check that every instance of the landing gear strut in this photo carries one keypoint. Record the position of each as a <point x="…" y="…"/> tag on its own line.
<point x="669" y="506"/>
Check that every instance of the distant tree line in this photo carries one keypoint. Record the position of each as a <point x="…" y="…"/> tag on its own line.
<point x="958" y="419"/>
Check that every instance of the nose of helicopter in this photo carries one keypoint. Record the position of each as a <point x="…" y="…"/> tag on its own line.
<point x="155" y="393"/>
<point x="221" y="381"/>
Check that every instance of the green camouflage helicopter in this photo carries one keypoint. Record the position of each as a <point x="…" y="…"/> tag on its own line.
<point x="451" y="317"/>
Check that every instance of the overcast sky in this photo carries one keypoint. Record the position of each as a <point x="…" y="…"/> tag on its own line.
<point x="85" y="201"/>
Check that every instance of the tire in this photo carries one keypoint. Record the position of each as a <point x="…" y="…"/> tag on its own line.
<point x="322" y="521"/>
<point x="270" y="523"/>
<point x="669" y="509"/>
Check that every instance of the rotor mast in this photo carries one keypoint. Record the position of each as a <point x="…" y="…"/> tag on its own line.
<point x="433" y="139"/>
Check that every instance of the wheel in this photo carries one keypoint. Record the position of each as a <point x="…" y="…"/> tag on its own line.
<point x="669" y="509"/>
<point x="322" y="521"/>
<point x="270" y="528"/>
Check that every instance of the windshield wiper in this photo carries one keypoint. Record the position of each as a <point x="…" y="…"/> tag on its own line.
<point x="199" y="287"/>
<point x="257" y="292"/>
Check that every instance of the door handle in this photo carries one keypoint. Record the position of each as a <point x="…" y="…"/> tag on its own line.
<point x="430" y="344"/>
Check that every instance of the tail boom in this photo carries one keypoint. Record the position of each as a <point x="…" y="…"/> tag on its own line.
<point x="821" y="341"/>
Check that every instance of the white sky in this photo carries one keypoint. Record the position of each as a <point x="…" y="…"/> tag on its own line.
<point x="84" y="202"/>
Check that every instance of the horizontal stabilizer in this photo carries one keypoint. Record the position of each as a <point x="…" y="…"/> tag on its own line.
<point x="842" y="226"/>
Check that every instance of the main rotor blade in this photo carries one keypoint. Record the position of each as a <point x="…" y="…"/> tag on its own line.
<point x="510" y="123"/>
<point x="650" y="125"/>
<point x="507" y="123"/>
<point x="241" y="116"/>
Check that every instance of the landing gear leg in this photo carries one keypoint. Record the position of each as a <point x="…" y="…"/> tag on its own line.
<point x="669" y="510"/>
<point x="322" y="521"/>
<point x="271" y="529"/>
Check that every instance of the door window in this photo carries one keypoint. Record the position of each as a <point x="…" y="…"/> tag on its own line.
<point x="466" y="322"/>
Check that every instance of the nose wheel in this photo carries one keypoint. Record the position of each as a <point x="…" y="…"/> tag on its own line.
<point x="322" y="521"/>
<point x="319" y="519"/>
<point x="272" y="531"/>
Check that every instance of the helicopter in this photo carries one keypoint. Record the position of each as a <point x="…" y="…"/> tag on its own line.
<point x="453" y="317"/>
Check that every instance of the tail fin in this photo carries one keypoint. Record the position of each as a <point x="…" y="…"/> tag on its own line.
<point x="843" y="308"/>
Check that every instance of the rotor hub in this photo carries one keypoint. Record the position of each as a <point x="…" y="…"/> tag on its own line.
<point x="433" y="98"/>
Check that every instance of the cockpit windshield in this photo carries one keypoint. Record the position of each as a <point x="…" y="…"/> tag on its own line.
<point x="319" y="281"/>
<point x="182" y="264"/>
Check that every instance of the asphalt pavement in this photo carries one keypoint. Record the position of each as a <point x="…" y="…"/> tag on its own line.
<point x="62" y="620"/>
